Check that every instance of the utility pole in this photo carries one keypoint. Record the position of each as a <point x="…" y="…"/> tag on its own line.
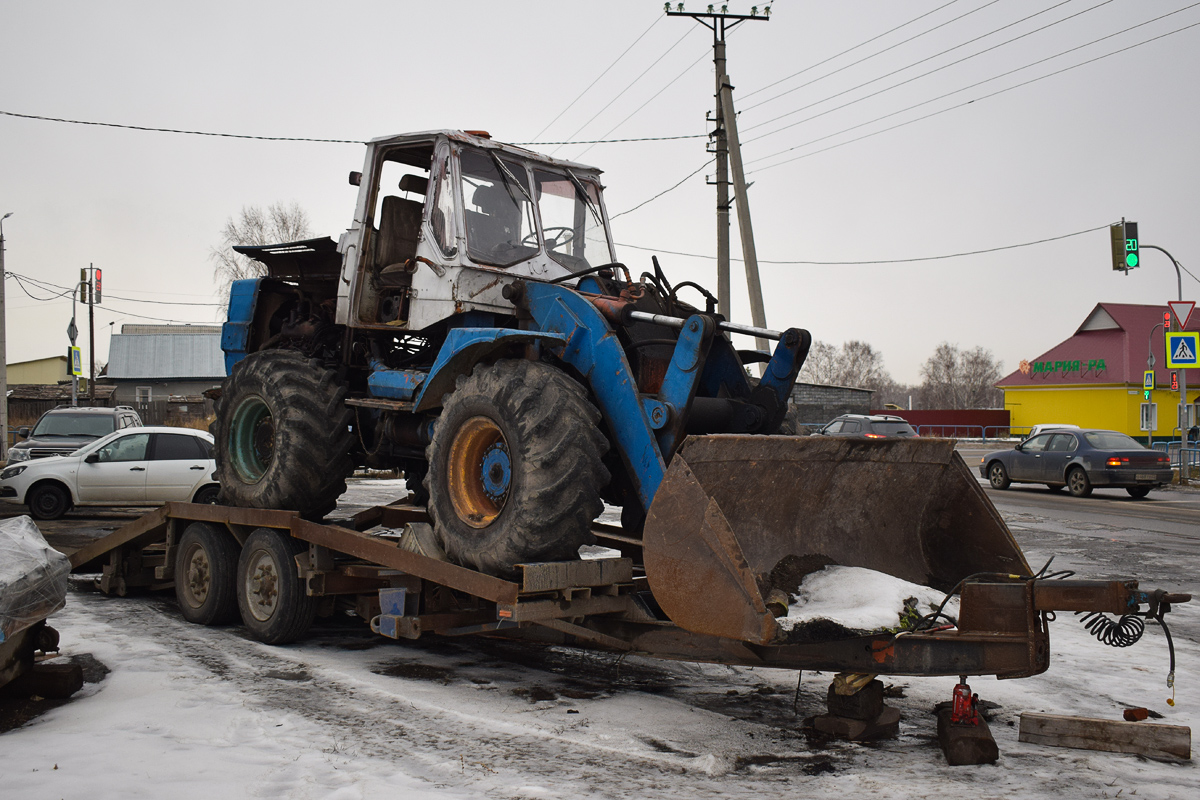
<point x="92" y="334"/>
<point x="724" y="121"/>
<point x="3" y="354"/>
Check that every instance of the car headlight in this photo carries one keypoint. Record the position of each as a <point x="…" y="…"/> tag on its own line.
<point x="12" y="472"/>
<point x="18" y="454"/>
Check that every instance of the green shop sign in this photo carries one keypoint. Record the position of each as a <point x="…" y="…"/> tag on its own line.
<point x="1050" y="367"/>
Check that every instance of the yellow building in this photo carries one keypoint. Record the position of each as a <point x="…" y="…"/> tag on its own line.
<point x="1095" y="378"/>
<point x="46" y="371"/>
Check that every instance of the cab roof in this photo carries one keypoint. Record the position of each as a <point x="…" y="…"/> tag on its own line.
<point x="485" y="143"/>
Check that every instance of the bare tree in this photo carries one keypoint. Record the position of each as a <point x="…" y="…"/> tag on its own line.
<point x="279" y="223"/>
<point x="855" y="363"/>
<point x="960" y="379"/>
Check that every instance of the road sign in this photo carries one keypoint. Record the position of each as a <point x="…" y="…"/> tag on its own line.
<point x="1182" y="309"/>
<point x="76" y="361"/>
<point x="1181" y="349"/>
<point x="1148" y="379"/>
<point x="72" y="331"/>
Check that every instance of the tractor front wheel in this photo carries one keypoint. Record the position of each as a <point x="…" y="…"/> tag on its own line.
<point x="515" y="468"/>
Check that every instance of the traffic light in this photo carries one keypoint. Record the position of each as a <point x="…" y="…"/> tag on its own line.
<point x="96" y="287"/>
<point x="1124" y="238"/>
<point x="1167" y="321"/>
<point x="1174" y="381"/>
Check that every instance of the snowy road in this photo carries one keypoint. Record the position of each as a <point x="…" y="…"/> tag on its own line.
<point x="192" y="712"/>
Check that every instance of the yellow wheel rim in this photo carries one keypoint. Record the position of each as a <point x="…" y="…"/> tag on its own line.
<point x="480" y="472"/>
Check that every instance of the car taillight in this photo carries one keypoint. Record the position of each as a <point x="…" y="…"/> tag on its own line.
<point x="875" y="436"/>
<point x="1164" y="460"/>
<point x="1116" y="461"/>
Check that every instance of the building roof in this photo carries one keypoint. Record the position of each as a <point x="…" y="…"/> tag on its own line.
<point x="1110" y="346"/>
<point x="171" y="352"/>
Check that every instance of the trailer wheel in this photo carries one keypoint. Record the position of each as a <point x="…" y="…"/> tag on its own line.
<point x="282" y="434"/>
<point x="515" y="467"/>
<point x="274" y="603"/>
<point x="206" y="575"/>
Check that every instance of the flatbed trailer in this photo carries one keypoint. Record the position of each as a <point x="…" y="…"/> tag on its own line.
<point x="371" y="564"/>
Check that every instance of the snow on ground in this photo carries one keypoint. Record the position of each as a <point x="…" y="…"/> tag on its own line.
<point x="189" y="712"/>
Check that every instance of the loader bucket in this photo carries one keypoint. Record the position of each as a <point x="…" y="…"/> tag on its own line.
<point x="737" y="516"/>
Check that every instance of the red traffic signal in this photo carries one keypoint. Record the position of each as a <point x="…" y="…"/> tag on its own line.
<point x="1166" y="320"/>
<point x="1174" y="381"/>
<point x="96" y="288"/>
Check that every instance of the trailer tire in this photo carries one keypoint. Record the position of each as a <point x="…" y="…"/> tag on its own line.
<point x="282" y="434"/>
<point x="274" y="603"/>
<point x="515" y="467"/>
<point x="206" y="562"/>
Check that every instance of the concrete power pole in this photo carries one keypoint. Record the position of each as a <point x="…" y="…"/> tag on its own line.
<point x="3" y="354"/>
<point x="720" y="23"/>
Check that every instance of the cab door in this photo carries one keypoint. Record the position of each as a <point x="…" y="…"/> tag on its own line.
<point x="118" y="473"/>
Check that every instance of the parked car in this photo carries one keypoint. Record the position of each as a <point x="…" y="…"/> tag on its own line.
<point x="63" y="430"/>
<point x="1051" y="426"/>
<point x="875" y="426"/>
<point x="130" y="467"/>
<point x="1079" y="459"/>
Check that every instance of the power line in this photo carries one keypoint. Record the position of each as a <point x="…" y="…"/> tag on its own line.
<point x="860" y="44"/>
<point x="670" y="83"/>
<point x="660" y="194"/>
<point x="956" y="91"/>
<point x="657" y="18"/>
<point x="968" y="102"/>
<point x="67" y="291"/>
<point x="929" y="58"/>
<point x="629" y="86"/>
<point x="879" y="261"/>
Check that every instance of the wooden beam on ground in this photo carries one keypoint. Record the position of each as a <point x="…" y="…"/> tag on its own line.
<point x="141" y="531"/>
<point x="1152" y="740"/>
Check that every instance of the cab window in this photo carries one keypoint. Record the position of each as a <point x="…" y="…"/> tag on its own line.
<point x="571" y="225"/>
<point x="127" y="448"/>
<point x="498" y="209"/>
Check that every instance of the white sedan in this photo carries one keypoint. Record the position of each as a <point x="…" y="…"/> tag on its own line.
<point x="130" y="467"/>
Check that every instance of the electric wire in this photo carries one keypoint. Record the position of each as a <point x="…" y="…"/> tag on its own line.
<point x="852" y="49"/>
<point x="930" y="58"/>
<point x="947" y="94"/>
<point x="663" y="192"/>
<point x="864" y="58"/>
<point x="67" y="291"/>
<point x="876" y="261"/>
<point x="629" y="86"/>
<point x="670" y="83"/>
<point x="967" y="103"/>
<point x="657" y="18"/>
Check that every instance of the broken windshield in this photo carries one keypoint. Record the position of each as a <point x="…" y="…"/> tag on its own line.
<point x="498" y="213"/>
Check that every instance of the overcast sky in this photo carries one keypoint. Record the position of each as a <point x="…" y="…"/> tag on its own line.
<point x="1067" y="153"/>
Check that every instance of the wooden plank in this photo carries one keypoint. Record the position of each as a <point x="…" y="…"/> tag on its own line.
<point x="1152" y="740"/>
<point x="550" y="576"/>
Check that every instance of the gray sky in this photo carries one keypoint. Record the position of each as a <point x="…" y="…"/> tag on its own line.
<point x="1079" y="150"/>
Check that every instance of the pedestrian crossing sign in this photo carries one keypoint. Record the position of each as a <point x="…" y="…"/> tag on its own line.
<point x="1148" y="379"/>
<point x="1181" y="349"/>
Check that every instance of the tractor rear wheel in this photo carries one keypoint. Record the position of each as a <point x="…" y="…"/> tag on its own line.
<point x="282" y="434"/>
<point x="515" y="468"/>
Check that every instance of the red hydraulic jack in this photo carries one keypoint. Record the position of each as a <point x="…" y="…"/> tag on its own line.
<point x="962" y="732"/>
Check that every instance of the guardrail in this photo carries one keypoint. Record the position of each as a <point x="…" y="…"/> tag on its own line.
<point x="955" y="431"/>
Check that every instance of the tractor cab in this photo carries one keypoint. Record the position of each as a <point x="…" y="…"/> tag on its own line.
<point x="446" y="219"/>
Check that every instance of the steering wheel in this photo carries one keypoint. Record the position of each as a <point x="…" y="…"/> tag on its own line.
<point x="564" y="235"/>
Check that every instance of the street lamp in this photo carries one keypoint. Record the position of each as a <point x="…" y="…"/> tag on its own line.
<point x="3" y="354"/>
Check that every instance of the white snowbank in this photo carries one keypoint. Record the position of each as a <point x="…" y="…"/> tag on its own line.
<point x="860" y="599"/>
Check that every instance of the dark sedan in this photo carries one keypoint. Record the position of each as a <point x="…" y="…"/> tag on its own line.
<point x="1079" y="460"/>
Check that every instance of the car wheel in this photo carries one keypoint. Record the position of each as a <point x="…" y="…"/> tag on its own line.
<point x="1138" y="491"/>
<point x="48" y="501"/>
<point x="998" y="476"/>
<point x="207" y="495"/>
<point x="1078" y="483"/>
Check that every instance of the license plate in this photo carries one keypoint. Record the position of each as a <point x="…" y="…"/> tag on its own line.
<point x="1144" y="477"/>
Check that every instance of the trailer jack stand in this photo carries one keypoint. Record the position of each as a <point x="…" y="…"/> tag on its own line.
<point x="964" y="734"/>
<point x="857" y="711"/>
